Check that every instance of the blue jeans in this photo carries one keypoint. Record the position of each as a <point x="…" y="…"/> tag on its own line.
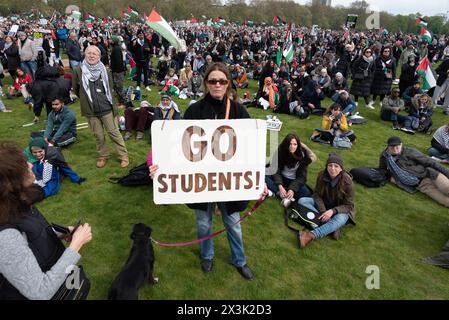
<point x="350" y="108"/>
<point x="435" y="153"/>
<point x="234" y="233"/>
<point x="336" y="222"/>
<point x="273" y="187"/>
<point x="29" y="67"/>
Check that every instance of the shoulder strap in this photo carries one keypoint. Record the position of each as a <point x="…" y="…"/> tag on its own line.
<point x="228" y="108"/>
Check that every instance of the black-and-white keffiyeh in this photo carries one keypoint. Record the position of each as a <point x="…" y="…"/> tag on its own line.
<point x="93" y="73"/>
<point x="46" y="174"/>
<point x="167" y="108"/>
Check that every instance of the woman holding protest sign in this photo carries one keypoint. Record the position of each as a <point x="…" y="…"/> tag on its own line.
<point x="217" y="105"/>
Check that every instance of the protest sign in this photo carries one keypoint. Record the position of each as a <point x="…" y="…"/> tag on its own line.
<point x="208" y="160"/>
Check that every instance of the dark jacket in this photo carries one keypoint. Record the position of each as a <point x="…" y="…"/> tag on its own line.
<point x="87" y="109"/>
<point x="382" y="67"/>
<point x="442" y="72"/>
<point x="43" y="242"/>
<point x="343" y="64"/>
<point x="49" y="85"/>
<point x="12" y="54"/>
<point x="141" y="53"/>
<point x="301" y="172"/>
<point x="73" y="50"/>
<point x="331" y="199"/>
<point x="47" y="48"/>
<point x="59" y="123"/>
<point x="209" y="108"/>
<point x="414" y="162"/>
<point x="362" y="87"/>
<point x="117" y="63"/>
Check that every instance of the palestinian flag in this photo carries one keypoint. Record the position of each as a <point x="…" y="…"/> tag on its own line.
<point x="76" y="14"/>
<point x="288" y="46"/>
<point x="426" y="73"/>
<point x="132" y="13"/>
<point x="421" y="23"/>
<point x="426" y="35"/>
<point x="90" y="17"/>
<point x="278" y="56"/>
<point x="158" y="24"/>
<point x="249" y="23"/>
<point x="219" y="22"/>
<point x="301" y="39"/>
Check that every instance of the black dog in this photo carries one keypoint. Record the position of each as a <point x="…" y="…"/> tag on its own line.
<point x="138" y="269"/>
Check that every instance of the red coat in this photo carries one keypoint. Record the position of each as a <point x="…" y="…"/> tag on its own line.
<point x="19" y="81"/>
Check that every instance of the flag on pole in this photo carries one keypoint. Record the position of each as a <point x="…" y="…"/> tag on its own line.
<point x="193" y="19"/>
<point x="425" y="71"/>
<point x="288" y="46"/>
<point x="275" y="20"/>
<point x="421" y="22"/>
<point x="278" y="56"/>
<point x="158" y="24"/>
<point x="132" y="12"/>
<point x="426" y="35"/>
<point x="90" y="17"/>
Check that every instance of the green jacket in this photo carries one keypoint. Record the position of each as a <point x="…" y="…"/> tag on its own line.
<point x="86" y="106"/>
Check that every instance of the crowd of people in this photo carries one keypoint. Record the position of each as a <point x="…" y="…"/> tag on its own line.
<point x="214" y="66"/>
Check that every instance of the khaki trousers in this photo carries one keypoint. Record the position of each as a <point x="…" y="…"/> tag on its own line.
<point x="437" y="189"/>
<point x="109" y="123"/>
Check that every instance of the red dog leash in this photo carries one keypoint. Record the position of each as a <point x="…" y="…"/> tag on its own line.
<point x="182" y="244"/>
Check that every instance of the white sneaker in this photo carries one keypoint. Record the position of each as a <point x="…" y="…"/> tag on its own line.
<point x="286" y="203"/>
<point x="270" y="193"/>
<point x="436" y="159"/>
<point x="148" y="88"/>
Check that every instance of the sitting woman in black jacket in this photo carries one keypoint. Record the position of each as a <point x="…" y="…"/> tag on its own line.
<point x="34" y="264"/>
<point x="290" y="162"/>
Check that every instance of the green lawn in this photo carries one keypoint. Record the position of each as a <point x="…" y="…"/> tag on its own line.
<point x="395" y="230"/>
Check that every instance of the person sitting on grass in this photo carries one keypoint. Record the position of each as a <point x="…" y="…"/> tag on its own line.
<point x="268" y="97"/>
<point x="333" y="199"/>
<point x="19" y="86"/>
<point x="49" y="166"/>
<point x="391" y="107"/>
<point x="413" y="171"/>
<point x="334" y="125"/>
<point x="289" y="181"/>
<point x="410" y="92"/>
<point x="195" y="85"/>
<point x="311" y="100"/>
<point x="61" y="125"/>
<point x="344" y="100"/>
<point x="420" y="115"/>
<point x="439" y="150"/>
<point x="167" y="109"/>
<point x="138" y="119"/>
<point x="170" y="83"/>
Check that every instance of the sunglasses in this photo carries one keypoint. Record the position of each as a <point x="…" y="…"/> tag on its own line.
<point x="222" y="82"/>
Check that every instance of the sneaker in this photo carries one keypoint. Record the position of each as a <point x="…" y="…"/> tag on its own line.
<point x="408" y="130"/>
<point x="396" y="126"/>
<point x="139" y="135"/>
<point x="286" y="202"/>
<point x="370" y="105"/>
<point x="6" y="110"/>
<point x="36" y="119"/>
<point x="148" y="88"/>
<point x="127" y="136"/>
<point x="270" y="193"/>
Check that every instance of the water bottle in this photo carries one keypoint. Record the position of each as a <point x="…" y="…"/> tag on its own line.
<point x="138" y="94"/>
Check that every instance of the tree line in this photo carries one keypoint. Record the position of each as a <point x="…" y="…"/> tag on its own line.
<point x="258" y="11"/>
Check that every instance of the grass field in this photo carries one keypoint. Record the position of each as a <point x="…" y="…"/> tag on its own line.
<point x="395" y="230"/>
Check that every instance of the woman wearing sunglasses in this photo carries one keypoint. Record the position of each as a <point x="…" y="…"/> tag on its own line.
<point x="217" y="105"/>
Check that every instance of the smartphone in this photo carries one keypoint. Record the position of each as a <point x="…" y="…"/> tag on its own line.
<point x="60" y="229"/>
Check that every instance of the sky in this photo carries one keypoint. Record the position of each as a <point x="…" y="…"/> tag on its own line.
<point x="401" y="6"/>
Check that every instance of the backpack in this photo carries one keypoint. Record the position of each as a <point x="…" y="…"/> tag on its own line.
<point x="302" y="216"/>
<point x="342" y="142"/>
<point x="137" y="176"/>
<point x="369" y="177"/>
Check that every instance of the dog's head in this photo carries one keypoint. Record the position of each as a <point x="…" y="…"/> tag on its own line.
<point x="140" y="231"/>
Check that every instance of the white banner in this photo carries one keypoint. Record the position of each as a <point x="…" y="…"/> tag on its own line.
<point x="208" y="160"/>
